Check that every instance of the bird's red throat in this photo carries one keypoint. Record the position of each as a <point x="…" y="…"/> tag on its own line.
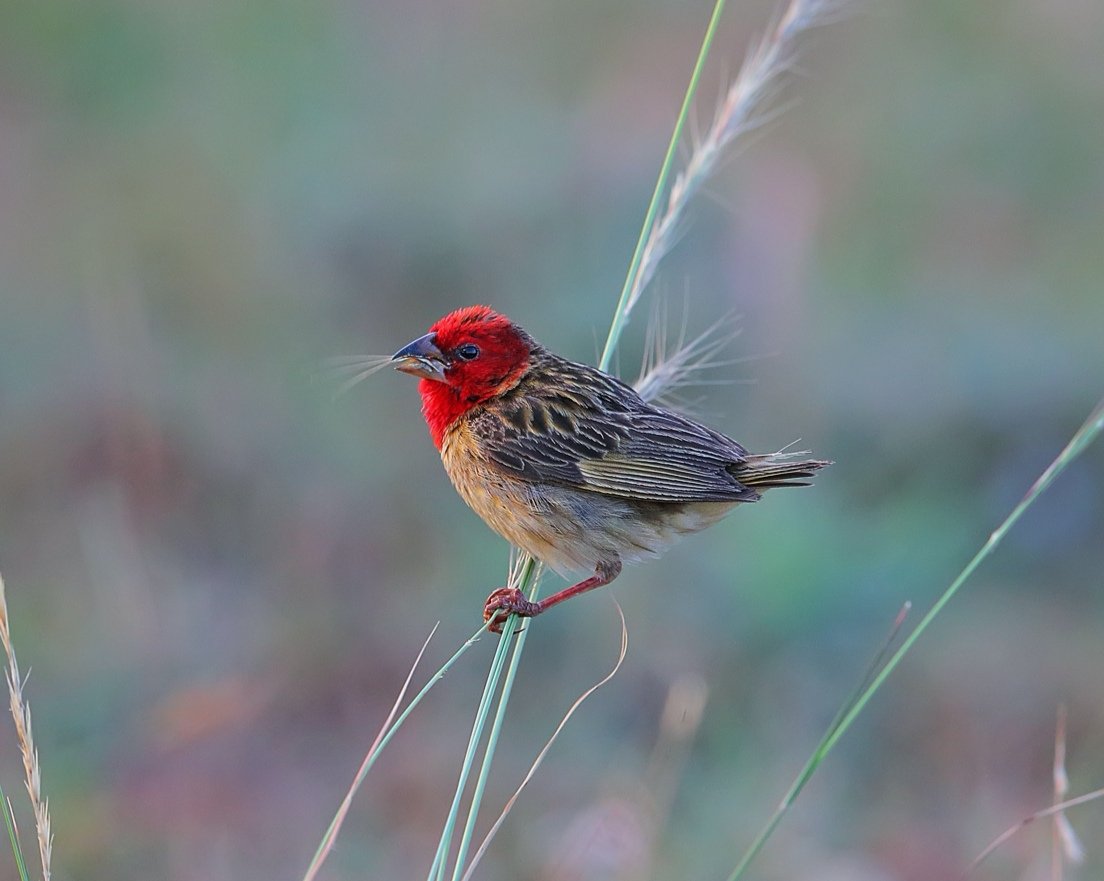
<point x="442" y="405"/>
<point x="500" y="360"/>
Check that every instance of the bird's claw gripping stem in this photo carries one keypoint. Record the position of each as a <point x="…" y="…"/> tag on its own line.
<point x="507" y="601"/>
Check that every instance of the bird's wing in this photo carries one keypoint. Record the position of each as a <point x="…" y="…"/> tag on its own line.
<point x="587" y="430"/>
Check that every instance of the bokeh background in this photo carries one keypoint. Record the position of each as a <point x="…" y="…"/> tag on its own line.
<point x="220" y="574"/>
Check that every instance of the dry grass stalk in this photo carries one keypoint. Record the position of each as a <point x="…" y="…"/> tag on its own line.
<point x="740" y="111"/>
<point x="330" y="838"/>
<point x="21" y="713"/>
<point x="1052" y="811"/>
<point x="486" y="843"/>
<point x="1065" y="845"/>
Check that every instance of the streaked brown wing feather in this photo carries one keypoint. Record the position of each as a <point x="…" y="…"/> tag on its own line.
<point x="573" y="425"/>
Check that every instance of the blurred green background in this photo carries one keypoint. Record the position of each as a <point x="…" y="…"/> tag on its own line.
<point x="220" y="575"/>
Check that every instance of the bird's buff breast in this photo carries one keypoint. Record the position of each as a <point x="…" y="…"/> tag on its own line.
<point x="570" y="530"/>
<point x="506" y="504"/>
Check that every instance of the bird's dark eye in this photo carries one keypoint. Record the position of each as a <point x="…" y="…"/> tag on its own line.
<point x="467" y="352"/>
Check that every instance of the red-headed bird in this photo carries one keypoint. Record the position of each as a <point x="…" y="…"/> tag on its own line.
<point x="568" y="462"/>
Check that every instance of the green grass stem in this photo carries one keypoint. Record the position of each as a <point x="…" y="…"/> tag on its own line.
<point x="13" y="836"/>
<point x="437" y="870"/>
<point x="547" y="746"/>
<point x="530" y="573"/>
<point x="621" y="314"/>
<point x="1080" y="441"/>
<point x="492" y="739"/>
<point x="382" y="741"/>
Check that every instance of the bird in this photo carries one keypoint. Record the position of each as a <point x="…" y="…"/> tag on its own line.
<point x="569" y="463"/>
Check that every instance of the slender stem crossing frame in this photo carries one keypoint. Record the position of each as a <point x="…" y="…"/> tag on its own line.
<point x="1081" y="440"/>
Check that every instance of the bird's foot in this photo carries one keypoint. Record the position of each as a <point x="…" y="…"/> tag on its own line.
<point x="503" y="603"/>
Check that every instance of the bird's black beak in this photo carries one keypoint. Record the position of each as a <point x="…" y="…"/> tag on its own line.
<point x="422" y="358"/>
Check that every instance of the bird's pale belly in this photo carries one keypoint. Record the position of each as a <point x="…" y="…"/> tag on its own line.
<point x="568" y="529"/>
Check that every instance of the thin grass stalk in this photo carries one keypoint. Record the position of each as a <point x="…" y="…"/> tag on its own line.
<point x="1065" y="845"/>
<point x="544" y="750"/>
<point x="13" y="836"/>
<point x="1080" y="441"/>
<point x="1008" y="833"/>
<point x="530" y="572"/>
<point x="383" y="738"/>
<point x="1060" y="779"/>
<point x="525" y="572"/>
<point x="630" y="292"/>
<point x="437" y="870"/>
<point x="326" y="845"/>
<point x="492" y="740"/>
<point x="21" y="715"/>
<point x="386" y="733"/>
<point x="488" y="753"/>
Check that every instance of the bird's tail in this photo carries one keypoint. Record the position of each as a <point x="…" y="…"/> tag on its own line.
<point x="769" y="470"/>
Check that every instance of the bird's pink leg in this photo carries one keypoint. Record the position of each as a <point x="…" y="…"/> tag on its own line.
<point x="509" y="600"/>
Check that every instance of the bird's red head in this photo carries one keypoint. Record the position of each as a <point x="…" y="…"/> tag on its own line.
<point x="468" y="357"/>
